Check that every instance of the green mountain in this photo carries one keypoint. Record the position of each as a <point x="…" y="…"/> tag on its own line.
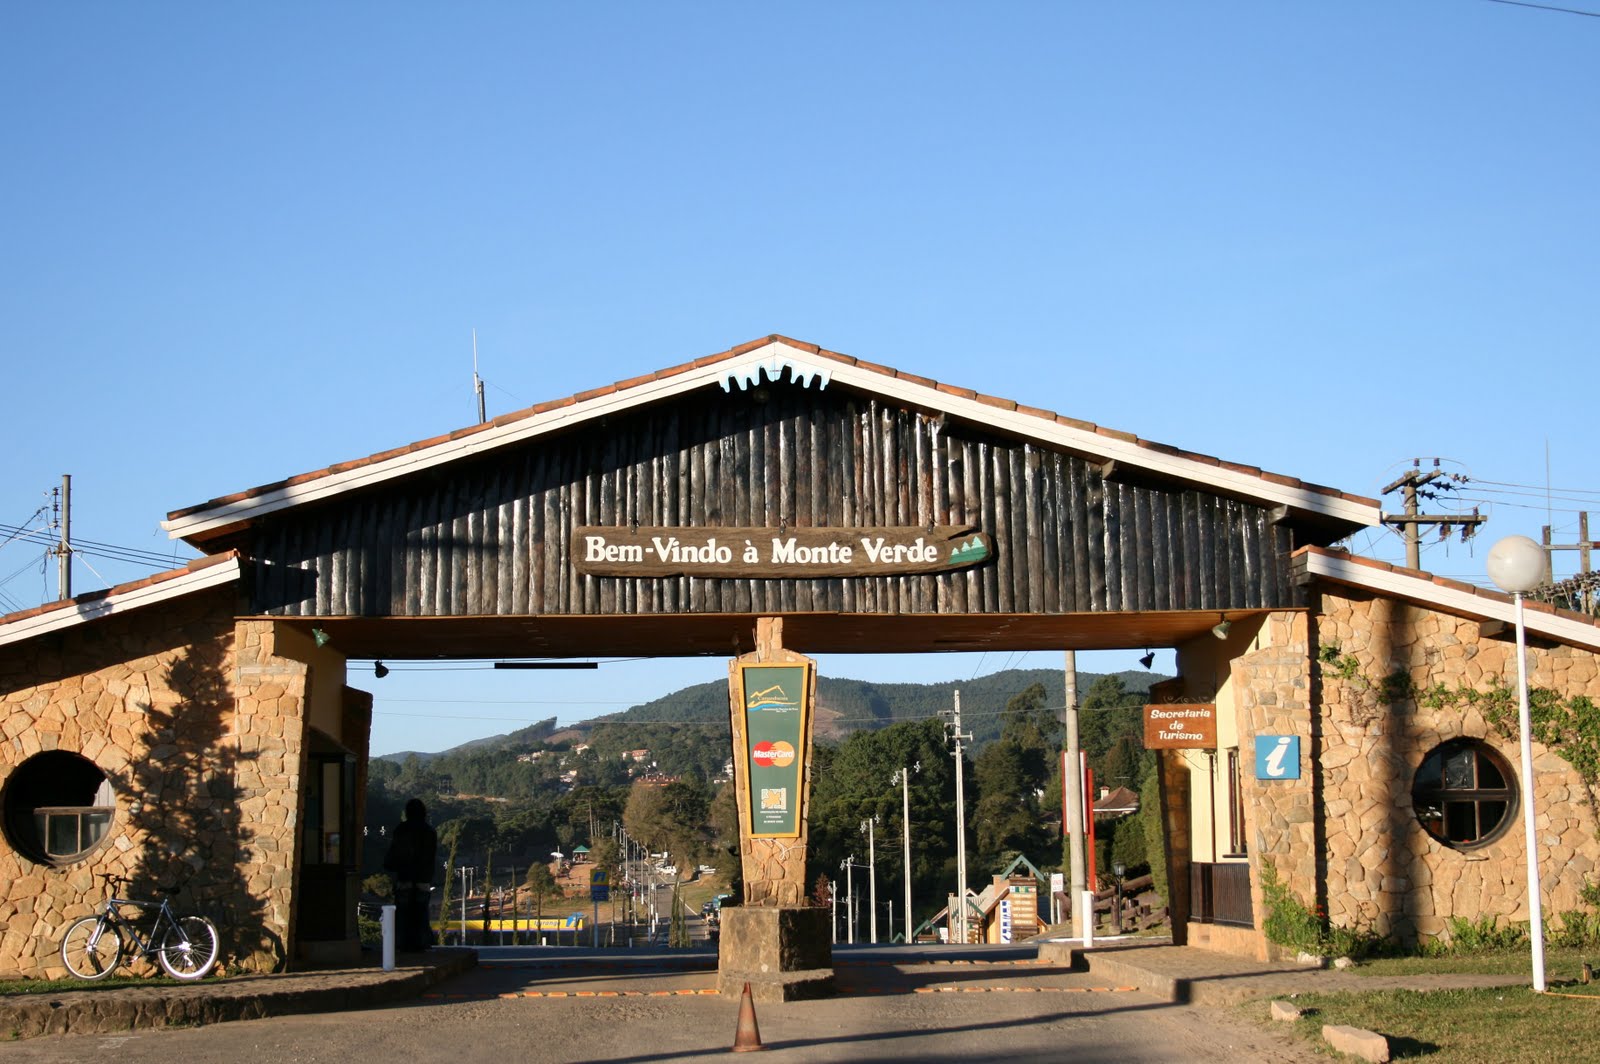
<point x="843" y="706"/>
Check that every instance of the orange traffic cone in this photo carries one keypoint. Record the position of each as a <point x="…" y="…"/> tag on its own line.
<point x="748" y="1037"/>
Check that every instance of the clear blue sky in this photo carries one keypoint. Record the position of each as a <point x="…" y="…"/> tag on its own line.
<point x="1324" y="238"/>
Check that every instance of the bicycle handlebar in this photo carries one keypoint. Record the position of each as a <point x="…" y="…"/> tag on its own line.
<point x="114" y="883"/>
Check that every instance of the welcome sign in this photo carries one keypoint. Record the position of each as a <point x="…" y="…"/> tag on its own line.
<point x="758" y="553"/>
<point x="775" y="701"/>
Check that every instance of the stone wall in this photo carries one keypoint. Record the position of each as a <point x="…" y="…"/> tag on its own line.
<point x="1384" y="872"/>
<point x="197" y="727"/>
<point x="1271" y="686"/>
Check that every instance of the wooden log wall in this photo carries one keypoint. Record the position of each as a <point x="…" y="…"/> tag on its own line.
<point x="490" y="535"/>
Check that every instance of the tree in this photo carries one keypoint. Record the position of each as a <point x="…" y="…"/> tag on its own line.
<point x="541" y="885"/>
<point x="1155" y="832"/>
<point x="1111" y="732"/>
<point x="449" y="882"/>
<point x="851" y="782"/>
<point x="1011" y="776"/>
<point x="670" y="817"/>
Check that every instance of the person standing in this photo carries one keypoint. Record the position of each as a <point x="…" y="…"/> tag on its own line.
<point x="410" y="864"/>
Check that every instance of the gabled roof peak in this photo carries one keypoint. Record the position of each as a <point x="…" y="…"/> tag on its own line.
<point x="808" y="365"/>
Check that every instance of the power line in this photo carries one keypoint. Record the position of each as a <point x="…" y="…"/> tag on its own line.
<point x="1547" y="7"/>
<point x="111" y="551"/>
<point x="1534" y="487"/>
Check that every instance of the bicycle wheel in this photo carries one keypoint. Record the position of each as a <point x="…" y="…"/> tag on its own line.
<point x="91" y="948"/>
<point x="188" y="947"/>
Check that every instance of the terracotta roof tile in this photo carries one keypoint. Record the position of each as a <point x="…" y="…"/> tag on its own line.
<point x="992" y="400"/>
<point x="912" y="378"/>
<point x="1493" y="594"/>
<point x="837" y="356"/>
<point x="634" y="382"/>
<point x="594" y="393"/>
<point x="121" y="589"/>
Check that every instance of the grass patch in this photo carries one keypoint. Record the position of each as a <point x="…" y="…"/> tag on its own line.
<point x="1560" y="965"/>
<point x="61" y="986"/>
<point x="1505" y="1025"/>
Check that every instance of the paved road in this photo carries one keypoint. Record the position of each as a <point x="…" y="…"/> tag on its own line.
<point x="935" y="1004"/>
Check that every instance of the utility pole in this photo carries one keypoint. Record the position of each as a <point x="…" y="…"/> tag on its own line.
<point x="63" y="552"/>
<point x="958" y="736"/>
<point x="903" y="777"/>
<point x="872" y="877"/>
<point x="1072" y="798"/>
<point x="1413" y="486"/>
<point x="849" y="865"/>
<point x="1584" y="546"/>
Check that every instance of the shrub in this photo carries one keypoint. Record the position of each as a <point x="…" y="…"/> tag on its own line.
<point x="1481" y="935"/>
<point x="1291" y="923"/>
<point x="1288" y="921"/>
<point x="1578" y="930"/>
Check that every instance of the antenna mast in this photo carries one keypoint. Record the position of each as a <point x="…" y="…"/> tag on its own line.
<point x="477" y="381"/>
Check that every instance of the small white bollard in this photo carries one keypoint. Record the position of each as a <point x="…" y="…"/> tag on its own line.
<point x="386" y="921"/>
<point x="1088" y="919"/>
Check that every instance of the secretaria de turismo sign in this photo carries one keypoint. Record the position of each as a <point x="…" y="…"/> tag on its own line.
<point x="755" y="553"/>
<point x="1180" y="726"/>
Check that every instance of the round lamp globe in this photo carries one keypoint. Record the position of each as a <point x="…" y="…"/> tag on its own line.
<point x="1516" y="564"/>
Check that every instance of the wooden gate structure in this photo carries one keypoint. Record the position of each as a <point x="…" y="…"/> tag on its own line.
<point x="831" y="504"/>
<point x="476" y="540"/>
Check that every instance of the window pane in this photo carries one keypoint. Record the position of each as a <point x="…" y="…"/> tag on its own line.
<point x="61" y="837"/>
<point x="95" y="826"/>
<point x="1458" y="769"/>
<point x="1429" y="776"/>
<point x="1489" y="815"/>
<point x="1488" y="774"/>
<point x="1461" y="821"/>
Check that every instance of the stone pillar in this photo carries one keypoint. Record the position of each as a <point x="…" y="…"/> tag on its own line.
<point x="773" y="941"/>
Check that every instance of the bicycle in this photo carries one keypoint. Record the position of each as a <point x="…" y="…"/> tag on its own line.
<point x="185" y="946"/>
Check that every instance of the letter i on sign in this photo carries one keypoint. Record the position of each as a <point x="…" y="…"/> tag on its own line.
<point x="1277" y="757"/>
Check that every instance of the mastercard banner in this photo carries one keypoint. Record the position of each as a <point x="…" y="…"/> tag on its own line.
<point x="776" y="709"/>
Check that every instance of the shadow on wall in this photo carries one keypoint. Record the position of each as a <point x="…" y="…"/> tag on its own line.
<point x="186" y="808"/>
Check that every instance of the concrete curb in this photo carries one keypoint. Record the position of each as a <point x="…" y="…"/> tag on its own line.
<point x="219" y="1001"/>
<point x="1182" y="977"/>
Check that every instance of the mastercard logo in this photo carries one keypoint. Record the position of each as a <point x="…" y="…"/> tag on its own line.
<point x="773" y="755"/>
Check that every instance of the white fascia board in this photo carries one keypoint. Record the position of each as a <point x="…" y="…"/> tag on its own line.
<point x="742" y="370"/>
<point x="214" y="575"/>
<point x="1566" y="630"/>
<point x="440" y="454"/>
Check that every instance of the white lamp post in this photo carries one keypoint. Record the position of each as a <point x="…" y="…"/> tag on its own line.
<point x="1516" y="564"/>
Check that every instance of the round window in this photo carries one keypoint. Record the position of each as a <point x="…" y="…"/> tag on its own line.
<point x="1464" y="794"/>
<point x="58" y="807"/>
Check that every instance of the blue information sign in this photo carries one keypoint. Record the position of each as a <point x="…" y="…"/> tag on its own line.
<point x="1277" y="757"/>
<point x="600" y="885"/>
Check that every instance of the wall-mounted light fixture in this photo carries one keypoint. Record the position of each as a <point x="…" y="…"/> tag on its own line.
<point x="1222" y="627"/>
<point x="379" y="669"/>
